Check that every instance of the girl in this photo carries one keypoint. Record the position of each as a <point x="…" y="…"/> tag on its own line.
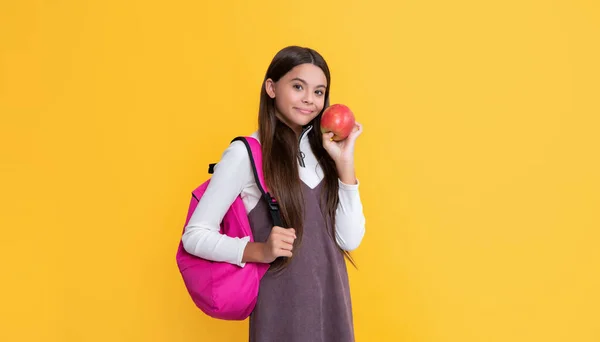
<point x="305" y="295"/>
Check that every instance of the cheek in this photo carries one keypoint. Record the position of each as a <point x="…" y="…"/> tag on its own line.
<point x="320" y="102"/>
<point x="286" y="97"/>
<point x="295" y="97"/>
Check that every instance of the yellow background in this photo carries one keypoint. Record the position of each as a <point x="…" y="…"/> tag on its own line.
<point x="479" y="162"/>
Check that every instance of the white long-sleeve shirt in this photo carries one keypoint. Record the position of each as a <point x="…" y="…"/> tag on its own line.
<point x="233" y="176"/>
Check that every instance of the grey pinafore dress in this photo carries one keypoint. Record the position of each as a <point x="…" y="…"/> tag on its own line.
<point x="309" y="301"/>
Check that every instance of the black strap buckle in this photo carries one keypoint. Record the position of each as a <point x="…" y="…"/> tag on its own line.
<point x="273" y="209"/>
<point x="272" y="203"/>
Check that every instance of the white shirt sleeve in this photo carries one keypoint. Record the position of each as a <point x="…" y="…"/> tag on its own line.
<point x="202" y="236"/>
<point x="349" y="219"/>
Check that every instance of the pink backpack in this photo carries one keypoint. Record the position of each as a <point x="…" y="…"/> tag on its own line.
<point x="220" y="289"/>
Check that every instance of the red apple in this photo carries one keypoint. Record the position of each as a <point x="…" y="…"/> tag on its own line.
<point x="338" y="119"/>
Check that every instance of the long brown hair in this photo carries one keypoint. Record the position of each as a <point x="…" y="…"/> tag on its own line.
<point x="280" y="147"/>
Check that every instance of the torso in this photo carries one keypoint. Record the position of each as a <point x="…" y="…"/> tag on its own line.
<point x="310" y="299"/>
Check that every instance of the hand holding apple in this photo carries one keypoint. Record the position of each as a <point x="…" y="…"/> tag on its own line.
<point x="339" y="138"/>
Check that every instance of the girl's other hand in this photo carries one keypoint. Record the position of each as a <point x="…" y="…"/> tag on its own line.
<point x="279" y="244"/>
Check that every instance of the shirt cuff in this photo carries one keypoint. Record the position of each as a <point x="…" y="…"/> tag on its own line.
<point x="243" y="242"/>
<point x="349" y="187"/>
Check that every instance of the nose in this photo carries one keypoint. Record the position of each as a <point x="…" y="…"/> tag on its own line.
<point x="307" y="98"/>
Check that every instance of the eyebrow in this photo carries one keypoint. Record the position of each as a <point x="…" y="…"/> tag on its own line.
<point x="303" y="81"/>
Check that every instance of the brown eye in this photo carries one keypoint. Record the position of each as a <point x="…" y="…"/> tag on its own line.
<point x="297" y="87"/>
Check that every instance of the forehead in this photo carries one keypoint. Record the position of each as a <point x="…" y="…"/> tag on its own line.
<point x="312" y="74"/>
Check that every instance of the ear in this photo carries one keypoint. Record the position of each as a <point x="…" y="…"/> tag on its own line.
<point x="270" y="88"/>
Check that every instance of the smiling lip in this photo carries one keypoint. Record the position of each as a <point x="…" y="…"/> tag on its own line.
<point x="304" y="111"/>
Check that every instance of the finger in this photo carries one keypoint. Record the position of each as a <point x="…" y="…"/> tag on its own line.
<point x="327" y="137"/>
<point x="285" y="246"/>
<point x="357" y="130"/>
<point x="281" y="229"/>
<point x="287" y="239"/>
<point x="359" y="127"/>
<point x="286" y="254"/>
<point x="284" y="239"/>
<point x="286" y="232"/>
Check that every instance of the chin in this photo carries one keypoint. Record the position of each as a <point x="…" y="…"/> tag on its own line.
<point x="298" y="119"/>
<point x="304" y="120"/>
<point x="303" y="123"/>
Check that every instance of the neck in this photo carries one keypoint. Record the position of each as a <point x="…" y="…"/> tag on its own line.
<point x="296" y="128"/>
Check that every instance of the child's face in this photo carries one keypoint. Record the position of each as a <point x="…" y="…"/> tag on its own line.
<point x="299" y="95"/>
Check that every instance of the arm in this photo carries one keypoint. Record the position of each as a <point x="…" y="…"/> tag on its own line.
<point x="349" y="217"/>
<point x="202" y="237"/>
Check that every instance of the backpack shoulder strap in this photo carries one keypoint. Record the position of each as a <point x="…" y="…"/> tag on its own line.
<point x="255" y="153"/>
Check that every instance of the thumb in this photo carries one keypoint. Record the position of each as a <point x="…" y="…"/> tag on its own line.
<point x="327" y="137"/>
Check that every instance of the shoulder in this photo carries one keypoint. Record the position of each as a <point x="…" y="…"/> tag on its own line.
<point x="236" y="157"/>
